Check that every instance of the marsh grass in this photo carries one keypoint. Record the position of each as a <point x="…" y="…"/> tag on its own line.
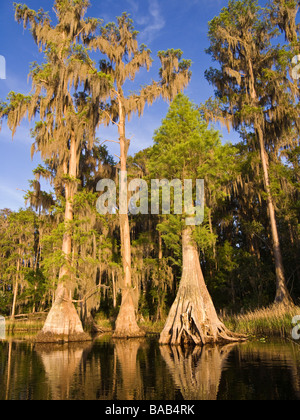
<point x="103" y="323"/>
<point x="30" y="323"/>
<point x="26" y="326"/>
<point x="274" y="321"/>
<point x="152" y="327"/>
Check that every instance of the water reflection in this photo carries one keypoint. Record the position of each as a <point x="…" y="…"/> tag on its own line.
<point x="262" y="371"/>
<point x="197" y="372"/>
<point x="128" y="383"/>
<point x="8" y="372"/>
<point x="142" y="370"/>
<point x="60" y="363"/>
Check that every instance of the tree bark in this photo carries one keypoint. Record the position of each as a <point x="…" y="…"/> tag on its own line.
<point x="114" y="290"/>
<point x="212" y="232"/>
<point x="282" y="293"/>
<point x="126" y="325"/>
<point x="16" y="287"/>
<point x="193" y="318"/>
<point x="160" y="247"/>
<point x="63" y="322"/>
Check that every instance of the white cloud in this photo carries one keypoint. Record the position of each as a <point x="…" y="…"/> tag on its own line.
<point x="154" y="22"/>
<point x="14" y="83"/>
<point x="10" y="198"/>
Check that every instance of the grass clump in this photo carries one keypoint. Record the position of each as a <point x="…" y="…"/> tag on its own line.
<point x="25" y="323"/>
<point x="102" y="323"/>
<point x="14" y="326"/>
<point x="152" y="327"/>
<point x="274" y="321"/>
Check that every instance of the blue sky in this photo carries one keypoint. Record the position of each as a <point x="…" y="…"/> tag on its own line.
<point x="162" y="25"/>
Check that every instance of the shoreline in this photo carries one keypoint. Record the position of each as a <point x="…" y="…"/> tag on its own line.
<point x="274" y="321"/>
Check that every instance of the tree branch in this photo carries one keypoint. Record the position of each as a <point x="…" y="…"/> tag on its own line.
<point x="93" y="292"/>
<point x="110" y="141"/>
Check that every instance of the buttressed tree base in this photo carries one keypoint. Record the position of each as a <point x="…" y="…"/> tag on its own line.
<point x="63" y="323"/>
<point x="126" y="325"/>
<point x="193" y="318"/>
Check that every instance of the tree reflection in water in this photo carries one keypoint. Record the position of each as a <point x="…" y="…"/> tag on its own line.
<point x="60" y="363"/>
<point x="143" y="370"/>
<point x="128" y="383"/>
<point x="197" y="371"/>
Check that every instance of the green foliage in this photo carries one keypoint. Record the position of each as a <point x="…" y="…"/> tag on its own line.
<point x="171" y="230"/>
<point x="204" y="238"/>
<point x="234" y="240"/>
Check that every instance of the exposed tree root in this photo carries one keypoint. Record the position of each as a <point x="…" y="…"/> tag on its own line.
<point x="193" y="318"/>
<point x="229" y="336"/>
<point x="187" y="329"/>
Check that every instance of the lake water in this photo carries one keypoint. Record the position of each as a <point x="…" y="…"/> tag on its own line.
<point x="142" y="370"/>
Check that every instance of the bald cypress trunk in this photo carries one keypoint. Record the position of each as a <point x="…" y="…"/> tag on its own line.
<point x="126" y="325"/>
<point x="193" y="318"/>
<point x="16" y="287"/>
<point x="63" y="322"/>
<point x="66" y="97"/>
<point x="282" y="293"/>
